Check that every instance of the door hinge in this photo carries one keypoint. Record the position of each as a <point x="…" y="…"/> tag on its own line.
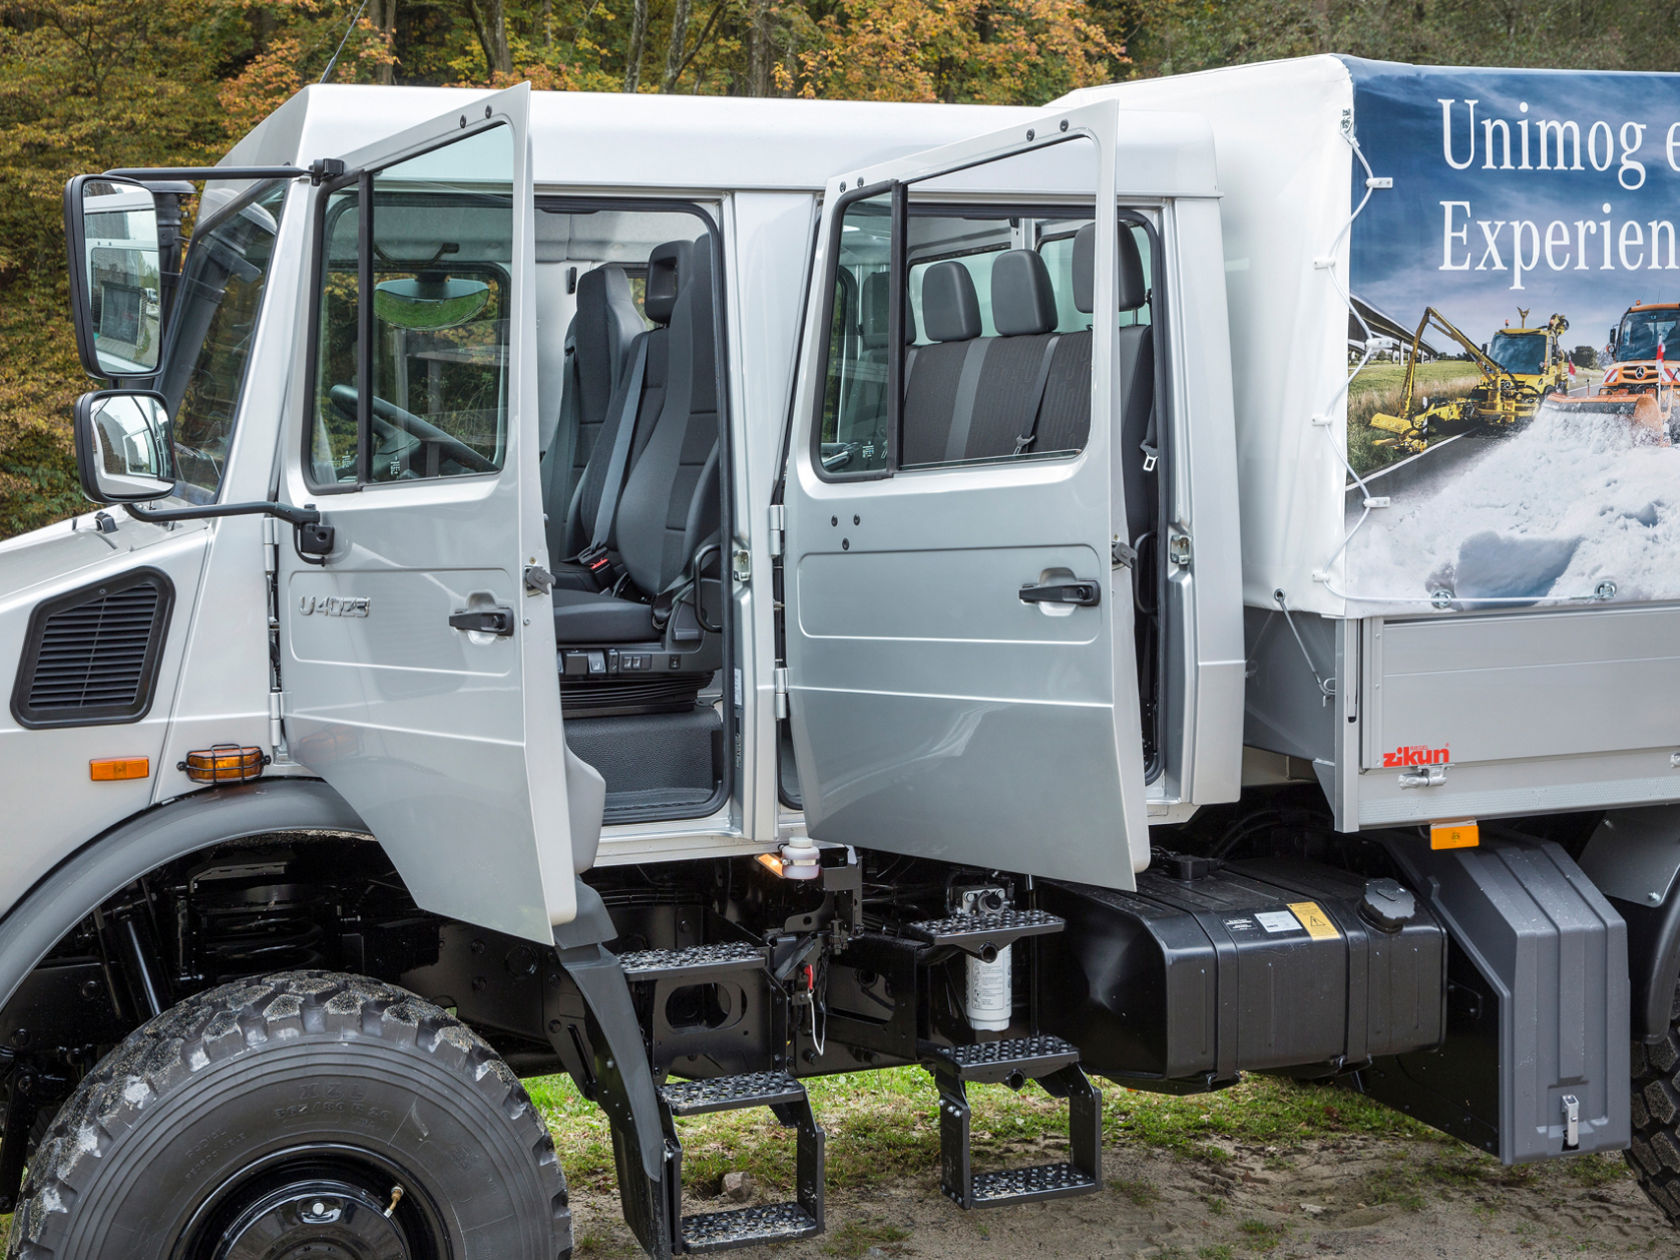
<point x="778" y="530"/>
<point x="740" y="565"/>
<point x="781" y="680"/>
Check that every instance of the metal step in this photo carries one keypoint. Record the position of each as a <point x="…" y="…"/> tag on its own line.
<point x="1024" y="1185"/>
<point x="744" y="1227"/>
<point x="730" y="1093"/>
<point x="691" y="965"/>
<point x="1055" y="1064"/>
<point x="747" y="1227"/>
<point x="1025" y="1058"/>
<point x="987" y="931"/>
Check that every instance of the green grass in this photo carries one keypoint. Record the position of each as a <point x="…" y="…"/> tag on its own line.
<point x="882" y="1128"/>
<point x="854" y="1238"/>
<point x="1382" y="387"/>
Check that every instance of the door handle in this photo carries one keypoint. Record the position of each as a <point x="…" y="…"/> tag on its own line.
<point x="1082" y="592"/>
<point x="497" y="621"/>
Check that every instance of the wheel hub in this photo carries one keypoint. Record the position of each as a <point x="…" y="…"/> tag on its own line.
<point x="315" y="1220"/>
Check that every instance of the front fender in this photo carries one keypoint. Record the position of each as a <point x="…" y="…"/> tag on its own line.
<point x="1634" y="859"/>
<point x="77" y="887"/>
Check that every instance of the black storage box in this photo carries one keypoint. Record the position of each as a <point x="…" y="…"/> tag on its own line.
<point x="1266" y="964"/>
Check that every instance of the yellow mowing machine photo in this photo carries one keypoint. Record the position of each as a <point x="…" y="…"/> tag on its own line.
<point x="1521" y="367"/>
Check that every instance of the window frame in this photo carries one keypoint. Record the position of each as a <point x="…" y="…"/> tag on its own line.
<point x="366" y="327"/>
<point x="895" y="329"/>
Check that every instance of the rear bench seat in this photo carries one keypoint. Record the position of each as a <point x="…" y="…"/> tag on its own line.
<point x="1028" y="389"/>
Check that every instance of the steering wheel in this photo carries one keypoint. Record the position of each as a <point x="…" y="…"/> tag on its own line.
<point x="391" y="416"/>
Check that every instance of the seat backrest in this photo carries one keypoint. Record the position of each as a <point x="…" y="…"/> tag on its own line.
<point x="1014" y="374"/>
<point x="667" y="270"/>
<point x="671" y="500"/>
<point x="942" y="378"/>
<point x="1068" y="410"/>
<point x="598" y="342"/>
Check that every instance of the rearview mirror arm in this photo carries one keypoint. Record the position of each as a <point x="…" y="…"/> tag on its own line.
<point x="283" y="511"/>
<point x="313" y="540"/>
<point x="318" y="170"/>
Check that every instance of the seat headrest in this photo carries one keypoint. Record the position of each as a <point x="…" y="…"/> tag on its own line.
<point x="1023" y="303"/>
<point x="1133" y="290"/>
<point x="667" y="269"/>
<point x="950" y="307"/>
<point x="876" y="300"/>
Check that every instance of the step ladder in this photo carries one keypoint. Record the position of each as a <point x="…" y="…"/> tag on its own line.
<point x="1054" y="1064"/>
<point x="748" y="1226"/>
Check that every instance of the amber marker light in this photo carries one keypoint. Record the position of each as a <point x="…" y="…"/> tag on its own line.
<point x="1462" y="834"/>
<point x="225" y="763"/>
<point x="770" y="862"/>
<point x="118" y="769"/>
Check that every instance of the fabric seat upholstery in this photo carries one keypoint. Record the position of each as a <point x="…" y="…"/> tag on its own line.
<point x="1009" y="394"/>
<point x="934" y="392"/>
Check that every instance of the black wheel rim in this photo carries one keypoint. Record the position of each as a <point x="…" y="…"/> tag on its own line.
<point x="317" y="1203"/>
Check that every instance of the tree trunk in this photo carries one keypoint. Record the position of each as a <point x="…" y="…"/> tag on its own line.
<point x="548" y="25"/>
<point x="489" y="18"/>
<point x="674" y="59"/>
<point x="758" y="49"/>
<point x="638" y="40"/>
<point x="384" y="16"/>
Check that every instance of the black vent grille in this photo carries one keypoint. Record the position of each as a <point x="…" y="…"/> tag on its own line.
<point x="92" y="655"/>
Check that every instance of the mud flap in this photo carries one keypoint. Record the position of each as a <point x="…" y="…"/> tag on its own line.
<point x="1535" y="1061"/>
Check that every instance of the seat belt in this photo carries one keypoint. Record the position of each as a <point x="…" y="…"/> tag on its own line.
<point x="595" y="557"/>
<point x="1031" y="435"/>
<point x="557" y="485"/>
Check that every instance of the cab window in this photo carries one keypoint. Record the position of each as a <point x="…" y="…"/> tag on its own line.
<point x="411" y="349"/>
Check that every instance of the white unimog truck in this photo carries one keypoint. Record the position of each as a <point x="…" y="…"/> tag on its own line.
<point x="699" y="594"/>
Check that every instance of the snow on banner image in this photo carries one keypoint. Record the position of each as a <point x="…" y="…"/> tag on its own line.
<point x="1516" y="295"/>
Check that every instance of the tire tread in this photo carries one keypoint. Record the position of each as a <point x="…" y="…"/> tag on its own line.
<point x="234" y="1019"/>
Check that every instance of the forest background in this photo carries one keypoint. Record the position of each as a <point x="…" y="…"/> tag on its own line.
<point x="88" y="85"/>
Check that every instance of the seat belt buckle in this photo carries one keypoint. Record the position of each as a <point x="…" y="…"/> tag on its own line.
<point x="598" y="562"/>
<point x="1149" y="459"/>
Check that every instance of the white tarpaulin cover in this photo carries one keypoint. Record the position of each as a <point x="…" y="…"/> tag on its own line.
<point x="1532" y="210"/>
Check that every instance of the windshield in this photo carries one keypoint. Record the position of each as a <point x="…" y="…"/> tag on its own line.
<point x="1643" y="331"/>
<point x="1522" y="354"/>
<point x="214" y="319"/>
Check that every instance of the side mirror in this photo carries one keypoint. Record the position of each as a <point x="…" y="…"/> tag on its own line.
<point x="111" y="227"/>
<point x="122" y="446"/>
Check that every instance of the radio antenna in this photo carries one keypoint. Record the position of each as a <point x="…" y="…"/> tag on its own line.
<point x="327" y="73"/>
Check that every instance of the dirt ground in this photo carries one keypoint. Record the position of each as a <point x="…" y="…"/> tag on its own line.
<point x="1365" y="1197"/>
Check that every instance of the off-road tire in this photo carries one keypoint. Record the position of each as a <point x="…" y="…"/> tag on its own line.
<point x="253" y="1070"/>
<point x="1654" y="1155"/>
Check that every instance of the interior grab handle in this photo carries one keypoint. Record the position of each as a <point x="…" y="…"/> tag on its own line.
<point x="1082" y="592"/>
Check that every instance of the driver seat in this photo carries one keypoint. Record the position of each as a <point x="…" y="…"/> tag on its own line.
<point x="670" y="504"/>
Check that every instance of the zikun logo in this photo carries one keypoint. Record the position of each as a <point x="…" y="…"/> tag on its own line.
<point x="1416" y="755"/>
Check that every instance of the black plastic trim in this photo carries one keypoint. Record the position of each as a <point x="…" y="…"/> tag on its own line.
<point x="96" y="715"/>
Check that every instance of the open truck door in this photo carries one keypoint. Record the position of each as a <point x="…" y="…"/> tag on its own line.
<point x="959" y="617"/>
<point x="417" y="649"/>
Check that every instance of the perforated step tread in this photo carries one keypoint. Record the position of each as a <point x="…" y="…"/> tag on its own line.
<point x="999" y="927"/>
<point x="731" y="1093"/>
<point x="1032" y="1057"/>
<point x="691" y="963"/>
<point x="1022" y="1185"/>
<point x="746" y="1227"/>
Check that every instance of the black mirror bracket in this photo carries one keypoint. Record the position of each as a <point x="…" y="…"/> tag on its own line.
<point x="313" y="537"/>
